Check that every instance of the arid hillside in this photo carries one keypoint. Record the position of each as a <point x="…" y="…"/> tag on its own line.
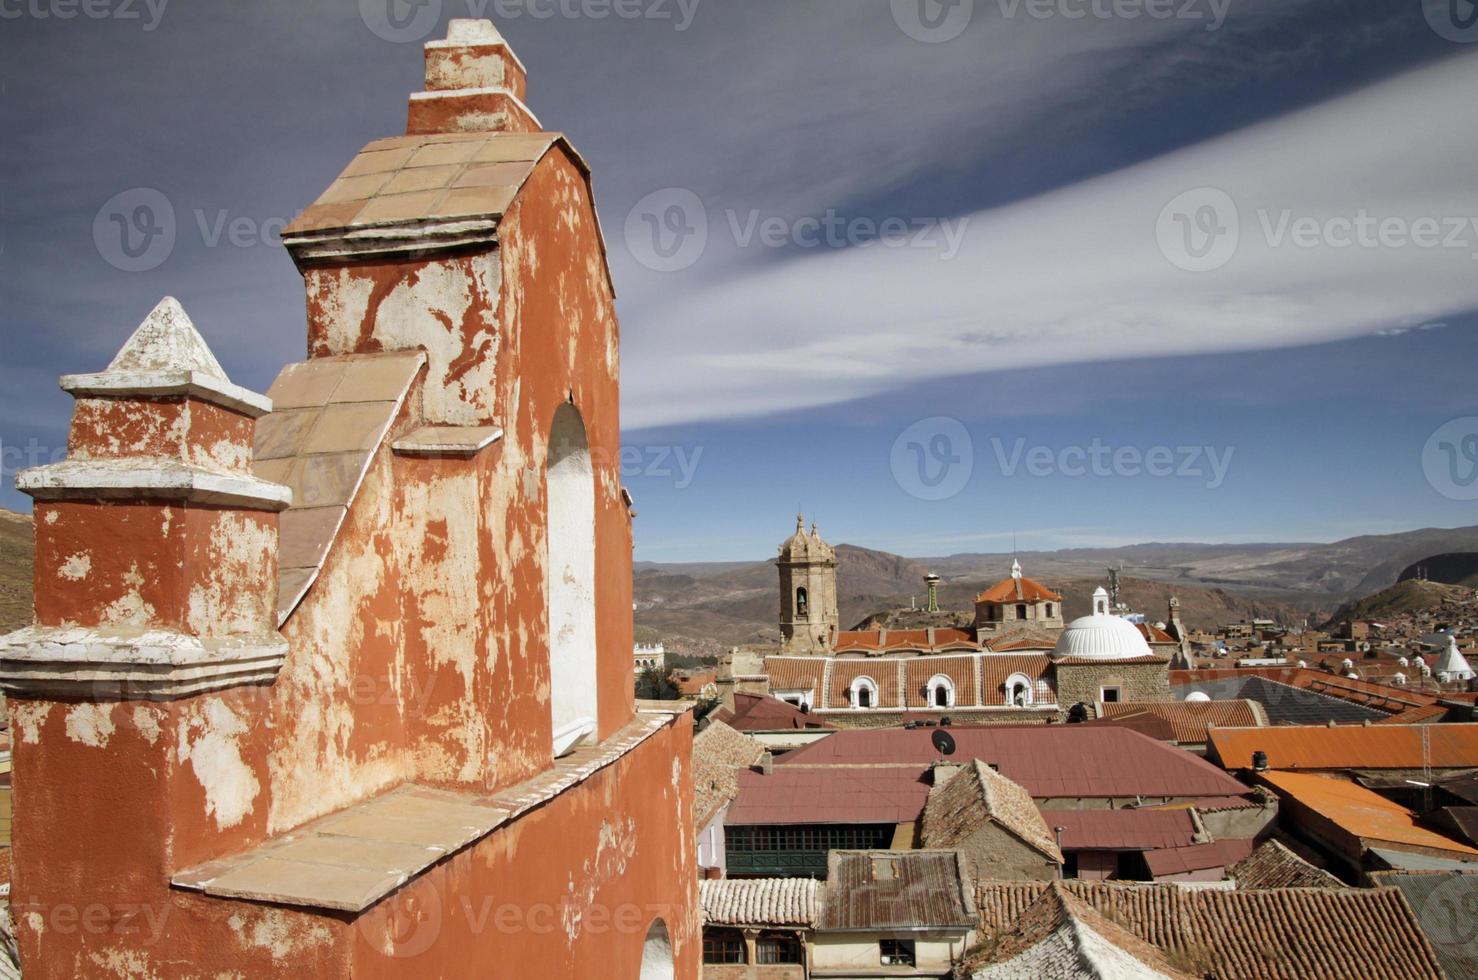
<point x="16" y="546"/>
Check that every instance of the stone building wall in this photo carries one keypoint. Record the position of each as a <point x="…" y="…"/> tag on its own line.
<point x="1136" y="682"/>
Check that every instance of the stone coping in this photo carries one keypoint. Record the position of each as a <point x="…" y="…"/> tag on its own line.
<point x="150" y="479"/>
<point x="350" y="860"/>
<point x="132" y="663"/>
<point x="447" y="440"/>
<point x="164" y="384"/>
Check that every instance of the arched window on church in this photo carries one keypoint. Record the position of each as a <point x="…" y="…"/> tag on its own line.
<point x="1021" y="610"/>
<point x="801" y="602"/>
<point x="941" y="691"/>
<point x="1018" y="691"/>
<point x="570" y="580"/>
<point x="864" y="693"/>
<point x="1049" y="610"/>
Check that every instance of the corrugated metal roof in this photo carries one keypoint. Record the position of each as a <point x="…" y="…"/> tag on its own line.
<point x="1050" y="761"/>
<point x="895" y="890"/>
<point x="1444" y="905"/>
<point x="1197" y="857"/>
<point x="1348" y="747"/>
<point x="1369" y="816"/>
<point x="1122" y="830"/>
<point x="830" y="795"/>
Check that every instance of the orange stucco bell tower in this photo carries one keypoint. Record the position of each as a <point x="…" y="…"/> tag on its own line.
<point x="335" y="681"/>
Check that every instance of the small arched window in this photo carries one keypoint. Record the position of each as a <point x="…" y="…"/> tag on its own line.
<point x="1049" y="610"/>
<point x="801" y="602"/>
<point x="1021" y="610"/>
<point x="656" y="954"/>
<point x="941" y="691"/>
<point x="1018" y="691"/>
<point x="864" y="693"/>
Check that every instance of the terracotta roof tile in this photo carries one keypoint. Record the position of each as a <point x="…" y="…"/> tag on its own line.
<point x="1332" y="934"/>
<point x="1274" y="866"/>
<point x="760" y="901"/>
<point x="1188" y="719"/>
<point x="794" y="673"/>
<point x="1019" y="590"/>
<point x="884" y="673"/>
<point x="918" y="671"/>
<point x="757" y="713"/>
<point x="978" y="795"/>
<point x="996" y="669"/>
<point x="719" y="753"/>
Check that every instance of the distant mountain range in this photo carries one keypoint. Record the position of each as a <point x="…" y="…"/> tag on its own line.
<point x="708" y="607"/>
<point x="705" y="608"/>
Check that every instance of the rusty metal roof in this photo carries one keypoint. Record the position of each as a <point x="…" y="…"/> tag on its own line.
<point x="830" y="795"/>
<point x="895" y="890"/>
<point x="1050" y="761"/>
<point x="1360" y="812"/>
<point x="1348" y="747"/>
<point x="1122" y="830"/>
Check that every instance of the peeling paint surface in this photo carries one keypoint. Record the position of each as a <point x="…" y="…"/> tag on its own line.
<point x="209" y="741"/>
<point x="90" y="724"/>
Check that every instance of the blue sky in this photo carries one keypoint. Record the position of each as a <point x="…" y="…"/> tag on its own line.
<point x="1136" y="233"/>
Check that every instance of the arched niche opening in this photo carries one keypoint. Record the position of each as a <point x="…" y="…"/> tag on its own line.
<point x="569" y="581"/>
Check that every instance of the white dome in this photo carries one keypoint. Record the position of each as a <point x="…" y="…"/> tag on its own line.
<point x="1197" y="697"/>
<point x="1102" y="637"/>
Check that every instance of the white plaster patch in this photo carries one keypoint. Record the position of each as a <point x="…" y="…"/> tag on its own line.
<point x="90" y="724"/>
<point x="167" y="521"/>
<point x="146" y="723"/>
<point x="52" y="517"/>
<point x="29" y="715"/>
<point x="130" y="609"/>
<point x="131" y="964"/>
<point x="280" y="933"/>
<point x="229" y="783"/>
<point x="240" y="548"/>
<point x="76" y="567"/>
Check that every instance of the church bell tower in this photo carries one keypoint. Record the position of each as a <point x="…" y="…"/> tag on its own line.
<point x="808" y="592"/>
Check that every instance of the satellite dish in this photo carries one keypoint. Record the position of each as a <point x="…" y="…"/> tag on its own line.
<point x="943" y="741"/>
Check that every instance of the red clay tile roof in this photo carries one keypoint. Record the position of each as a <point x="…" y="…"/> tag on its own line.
<point x="1188" y="719"/>
<point x="719" y="753"/>
<point x="794" y="673"/>
<point x="1360" y="812"/>
<point x="995" y="670"/>
<point x="1197" y="857"/>
<point x="1274" y="866"/>
<point x="692" y="683"/>
<point x="1021" y="639"/>
<point x="1331" y="934"/>
<point x="925" y="641"/>
<point x="757" y="713"/>
<point x="1009" y="590"/>
<point x="884" y="674"/>
<point x="830" y="794"/>
<point x="1049" y="760"/>
<point x="918" y="671"/>
<point x="977" y="796"/>
<point x="1348" y="747"/>
<point x="1122" y="830"/>
<point x="760" y="901"/>
<point x="1153" y="633"/>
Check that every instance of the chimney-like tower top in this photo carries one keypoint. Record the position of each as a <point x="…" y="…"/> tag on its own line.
<point x="474" y="84"/>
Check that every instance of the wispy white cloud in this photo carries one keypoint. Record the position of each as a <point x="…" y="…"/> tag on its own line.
<point x="1079" y="274"/>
